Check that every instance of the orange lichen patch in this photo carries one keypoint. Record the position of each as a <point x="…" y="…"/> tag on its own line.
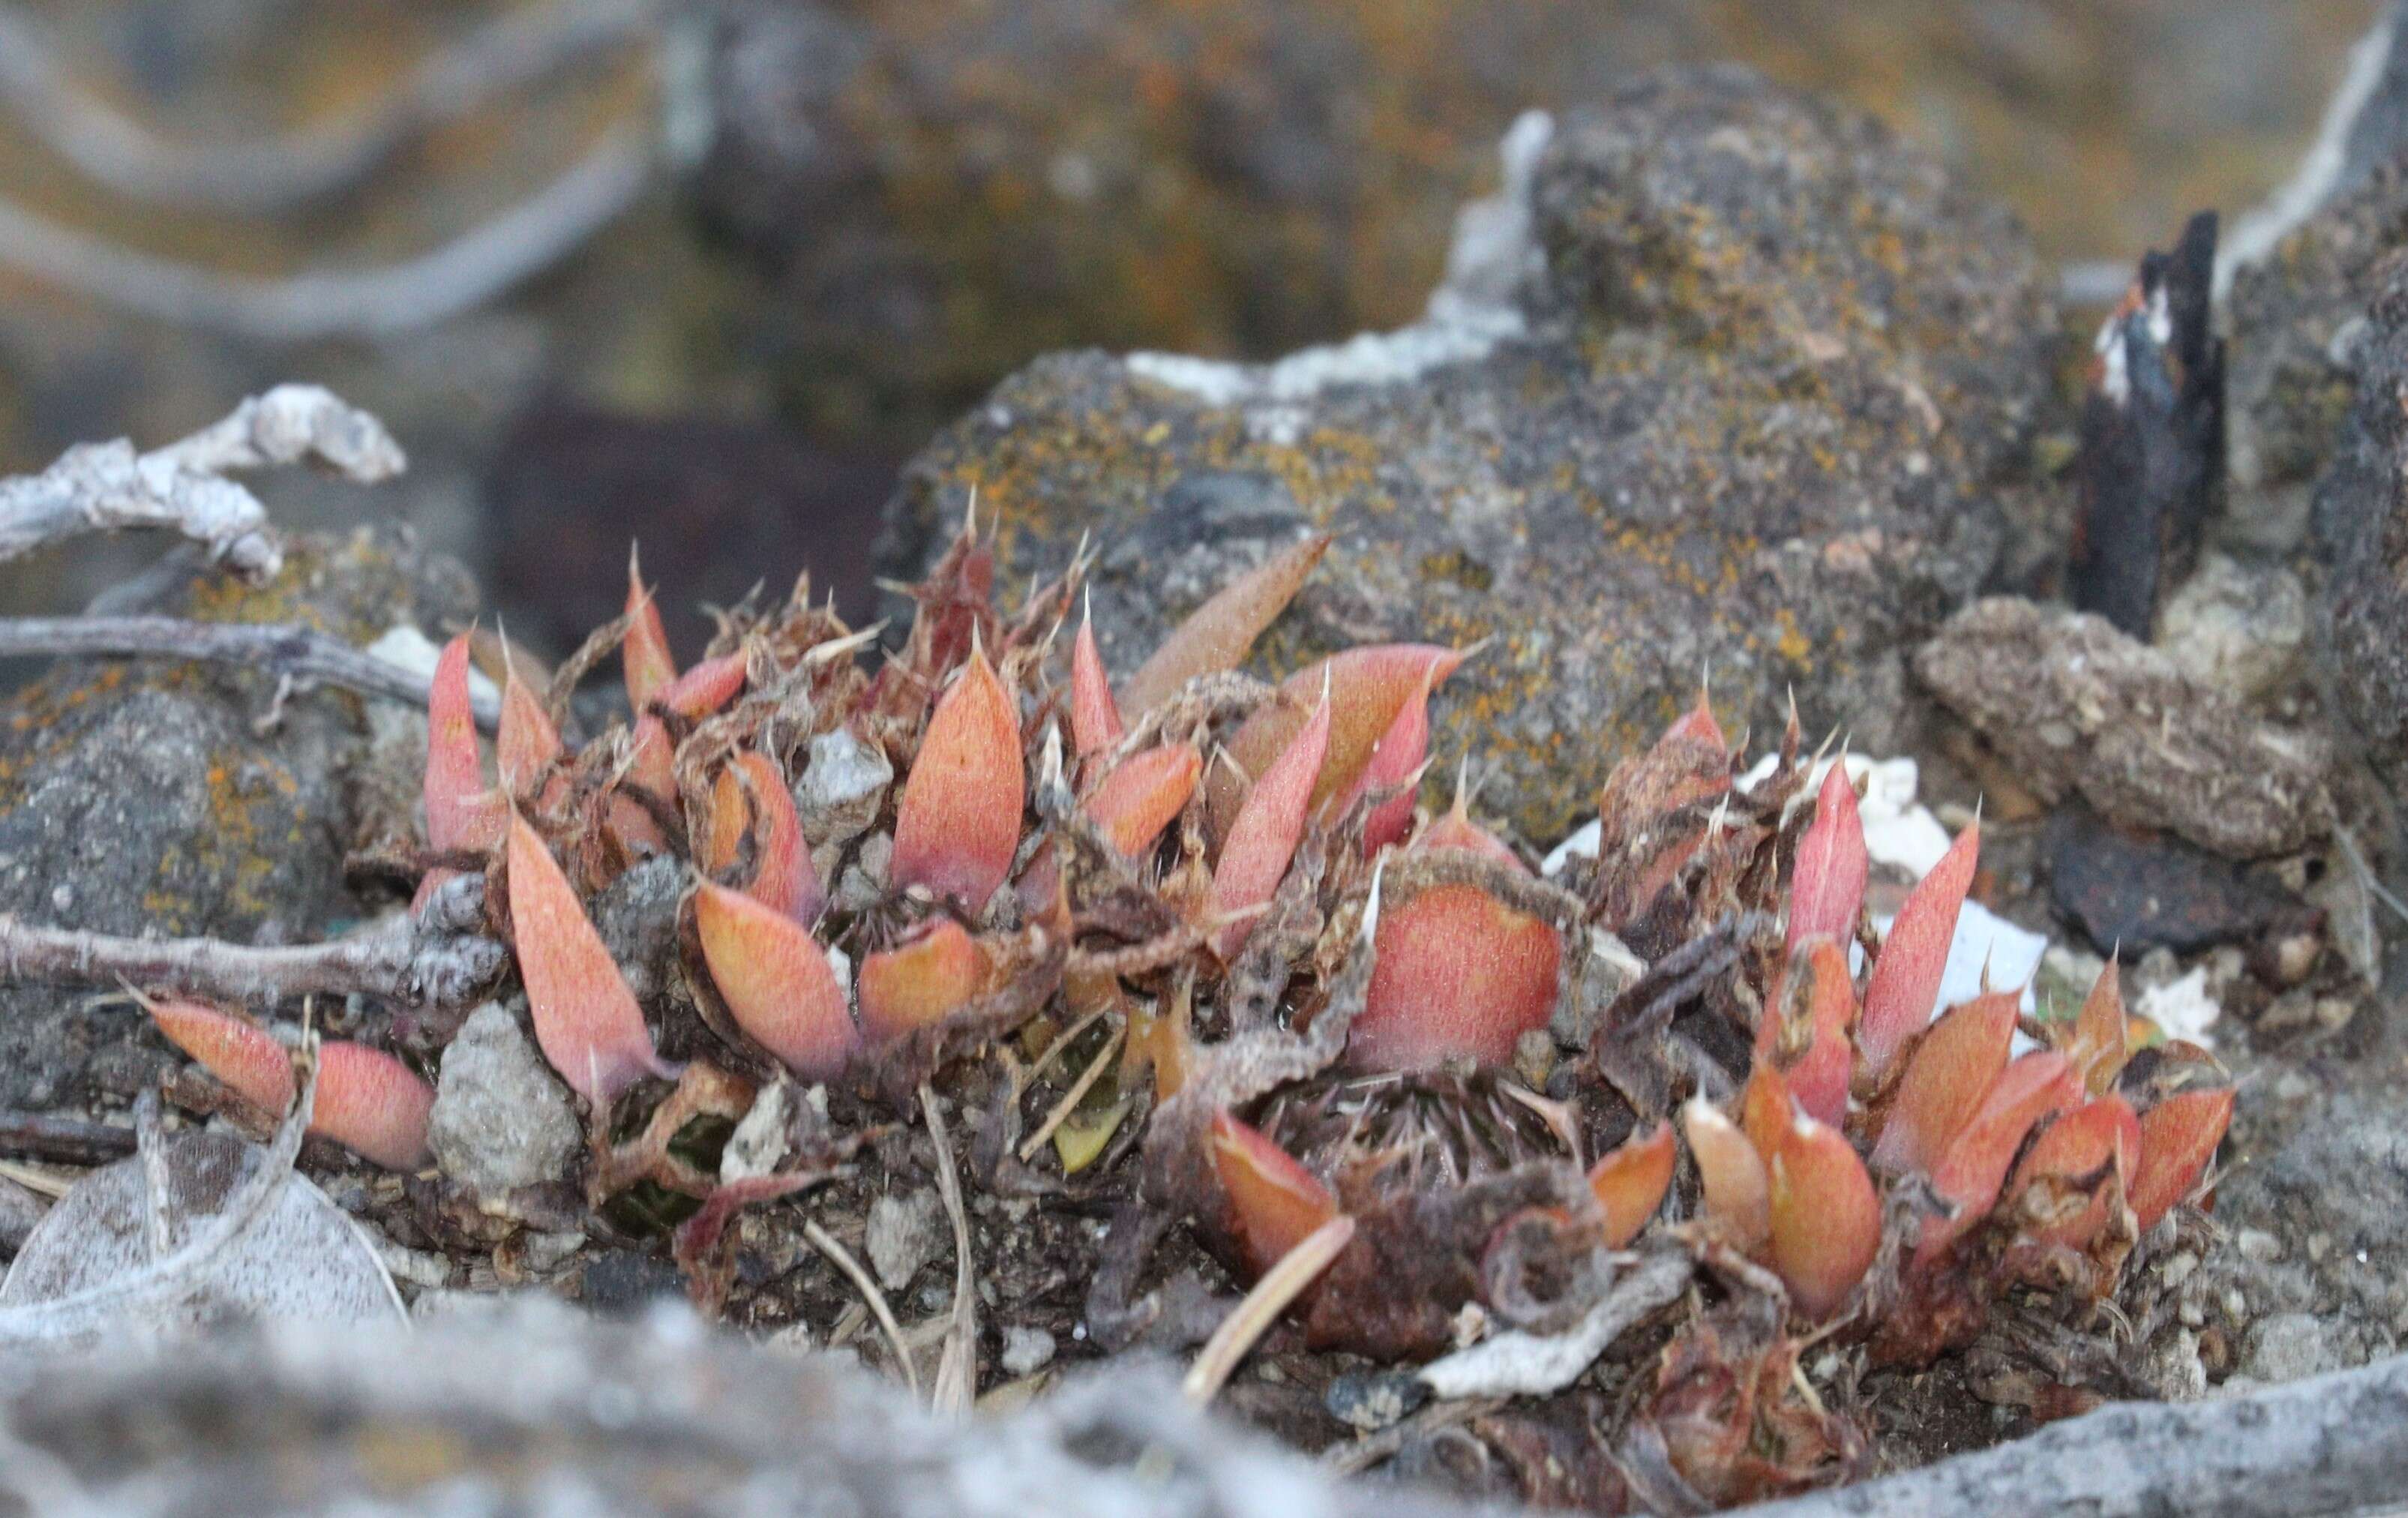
<point x="2178" y="1137"/>
<point x="1262" y="836"/>
<point x="1218" y="635"/>
<point x="236" y="1050"/>
<point x="1274" y="1202"/>
<point x="1137" y="800"/>
<point x="1630" y="1184"/>
<point x="776" y="980"/>
<point x="1907" y="973"/>
<point x="586" y="1020"/>
<point x="1737" y="1193"/>
<point x="1460" y="974"/>
<point x="1828" y="883"/>
<point x="1094" y="718"/>
<point x="958" y="822"/>
<point x="1826" y="1217"/>
<point x="1946" y="1079"/>
<point x="1365" y="687"/>
<point x="916" y="982"/>
<point x="645" y="653"/>
<point x="1970" y="1173"/>
<point x="372" y="1103"/>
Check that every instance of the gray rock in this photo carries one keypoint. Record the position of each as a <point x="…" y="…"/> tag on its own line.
<point x="2362" y="537"/>
<point x="2243" y="627"/>
<point x="1726" y="378"/>
<point x="1025" y="1349"/>
<point x="2078" y="707"/>
<point x="841" y="789"/>
<point x="904" y="1234"/>
<point x="501" y="1119"/>
<point x="637" y="915"/>
<point x="141" y="797"/>
<point x="2288" y="1346"/>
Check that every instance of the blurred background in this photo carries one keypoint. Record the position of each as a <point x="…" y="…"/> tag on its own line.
<point x="707" y="273"/>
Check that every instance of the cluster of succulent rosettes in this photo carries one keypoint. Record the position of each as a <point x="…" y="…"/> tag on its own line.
<point x="1324" y="1001"/>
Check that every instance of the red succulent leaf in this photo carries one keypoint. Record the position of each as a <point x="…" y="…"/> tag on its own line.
<point x="1697" y="725"/>
<point x="235" y="1050"/>
<point x="2100" y="1042"/>
<point x="749" y="796"/>
<point x="1262" y="837"/>
<point x="1828" y="884"/>
<point x="1366" y="687"/>
<point x="527" y="745"/>
<point x="1826" y="1216"/>
<point x="1631" y="1182"/>
<point x="462" y="811"/>
<point x="919" y="981"/>
<point x="1907" y="972"/>
<point x="1218" y="635"/>
<point x="958" y="822"/>
<point x="1274" y="1202"/>
<point x="645" y="652"/>
<point x="372" y="1103"/>
<point x="1817" y="1005"/>
<point x="1095" y="720"/>
<point x="1396" y="759"/>
<point x="1459" y="975"/>
<point x="2096" y="1141"/>
<point x="586" y="1020"/>
<point x="1137" y="800"/>
<point x="1737" y="1192"/>
<point x="1765" y="1109"/>
<point x="2178" y="1137"/>
<point x="1950" y="1072"/>
<point x="704" y="689"/>
<point x="1455" y="829"/>
<point x="1970" y="1172"/>
<point x="776" y="980"/>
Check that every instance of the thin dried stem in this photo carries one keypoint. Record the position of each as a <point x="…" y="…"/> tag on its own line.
<point x="841" y="1258"/>
<point x="1281" y="1284"/>
<point x="956" y="1388"/>
<point x="394" y="960"/>
<point x="288" y="651"/>
<point x="1070" y="1098"/>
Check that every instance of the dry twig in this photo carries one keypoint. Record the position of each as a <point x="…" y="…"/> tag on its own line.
<point x="396" y="960"/>
<point x="1281" y="1284"/>
<point x="828" y="1244"/>
<point x="956" y="1388"/>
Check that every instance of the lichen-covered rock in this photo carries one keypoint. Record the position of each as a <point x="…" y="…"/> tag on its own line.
<point x="141" y="796"/>
<point x="2078" y="707"/>
<point x="2362" y="537"/>
<point x="1726" y="380"/>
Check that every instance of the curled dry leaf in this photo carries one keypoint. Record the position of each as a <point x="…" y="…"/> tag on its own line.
<point x="957" y="824"/>
<point x="776" y="980"/>
<point x="1907" y="972"/>
<point x="1218" y="635"/>
<point x="586" y="1020"/>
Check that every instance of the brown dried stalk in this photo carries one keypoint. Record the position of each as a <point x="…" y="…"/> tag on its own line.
<point x="396" y="960"/>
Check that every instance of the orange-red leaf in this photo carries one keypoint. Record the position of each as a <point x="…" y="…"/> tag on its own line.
<point x="1826" y="1216"/>
<point x="461" y="811"/>
<point x="1396" y="759"/>
<point x="1970" y="1172"/>
<point x="1366" y="687"/>
<point x="1136" y="801"/>
<point x="1907" y="974"/>
<point x="1737" y="1192"/>
<point x="1274" y="1201"/>
<point x="749" y="796"/>
<point x="2101" y="1043"/>
<point x="236" y="1050"/>
<point x="645" y="653"/>
<point x="958" y="822"/>
<point x="1946" y="1079"/>
<point x="2095" y="1140"/>
<point x="2178" y="1137"/>
<point x="1818" y="993"/>
<point x="1697" y="724"/>
<point x="1630" y="1184"/>
<point x="1263" y="838"/>
<point x="1095" y="720"/>
<point x="586" y="1020"/>
<point x="1828" y="883"/>
<point x="1217" y="634"/>
<point x="919" y="979"/>
<point x="776" y="980"/>
<point x="372" y="1103"/>
<point x="704" y="689"/>
<point x="527" y="744"/>
<point x="1459" y="975"/>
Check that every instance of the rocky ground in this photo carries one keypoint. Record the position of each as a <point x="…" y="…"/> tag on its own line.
<point x="1725" y="379"/>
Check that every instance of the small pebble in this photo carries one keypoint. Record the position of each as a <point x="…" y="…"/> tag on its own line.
<point x="2258" y="1245"/>
<point x="904" y="1234"/>
<point x="1025" y="1349"/>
